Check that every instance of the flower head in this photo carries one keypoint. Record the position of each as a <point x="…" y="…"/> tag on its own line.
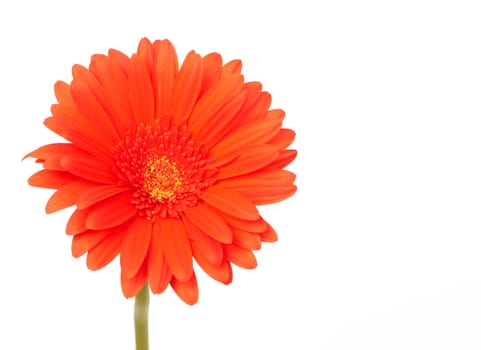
<point x="165" y="165"/>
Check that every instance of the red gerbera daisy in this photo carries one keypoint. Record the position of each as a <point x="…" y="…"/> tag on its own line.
<point x="165" y="165"/>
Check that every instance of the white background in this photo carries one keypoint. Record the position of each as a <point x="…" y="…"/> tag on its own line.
<point x="379" y="248"/>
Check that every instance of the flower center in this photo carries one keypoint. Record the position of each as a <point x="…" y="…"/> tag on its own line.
<point x="161" y="178"/>
<point x="164" y="168"/>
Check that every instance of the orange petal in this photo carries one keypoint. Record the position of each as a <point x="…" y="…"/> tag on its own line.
<point x="221" y="272"/>
<point x="253" y="90"/>
<point x="50" y="179"/>
<point x="88" y="167"/>
<point x="240" y="256"/>
<point x="141" y="91"/>
<point x="111" y="212"/>
<point x="217" y="127"/>
<point x="53" y="164"/>
<point x="66" y="195"/>
<point x="256" y="226"/>
<point x="280" y="194"/>
<point x="101" y="96"/>
<point x="210" y="222"/>
<point x="97" y="194"/>
<point x="284" y="159"/>
<point x="269" y="235"/>
<point x="159" y="272"/>
<point x="217" y="162"/>
<point x="69" y="110"/>
<point x="249" y="160"/>
<point x="230" y="202"/>
<point x="115" y="84"/>
<point x="81" y="137"/>
<point x="176" y="247"/>
<point x="186" y="88"/>
<point x="53" y="150"/>
<point x="277" y="114"/>
<point x="232" y="67"/>
<point x="119" y="60"/>
<point x="132" y="286"/>
<point x="247" y="240"/>
<point x="146" y="53"/>
<point x="76" y="223"/>
<point x="188" y="291"/>
<point x="210" y="248"/>
<point x="212" y="64"/>
<point x="83" y="242"/>
<point x="62" y="93"/>
<point x="261" y="183"/>
<point x="254" y="133"/>
<point x="258" y="109"/>
<point x="105" y="251"/>
<point x="209" y="104"/>
<point x="135" y="245"/>
<point x="283" y="139"/>
<point x="93" y="111"/>
<point x="164" y="75"/>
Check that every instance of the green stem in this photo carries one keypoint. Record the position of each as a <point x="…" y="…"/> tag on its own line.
<point x="141" y="318"/>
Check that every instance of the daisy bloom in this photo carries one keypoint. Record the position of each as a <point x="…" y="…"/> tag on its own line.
<point x="165" y="165"/>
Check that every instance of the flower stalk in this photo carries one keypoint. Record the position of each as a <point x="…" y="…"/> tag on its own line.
<point x="141" y="319"/>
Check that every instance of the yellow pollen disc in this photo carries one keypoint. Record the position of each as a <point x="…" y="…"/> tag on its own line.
<point x="161" y="178"/>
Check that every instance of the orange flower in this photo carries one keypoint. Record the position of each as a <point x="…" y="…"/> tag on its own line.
<point x="165" y="165"/>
